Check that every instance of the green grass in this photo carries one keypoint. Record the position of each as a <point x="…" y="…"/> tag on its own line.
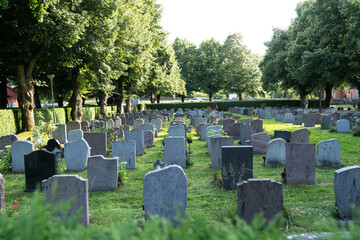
<point x="308" y="208"/>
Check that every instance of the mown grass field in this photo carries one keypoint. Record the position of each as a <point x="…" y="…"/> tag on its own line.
<point x="307" y="208"/>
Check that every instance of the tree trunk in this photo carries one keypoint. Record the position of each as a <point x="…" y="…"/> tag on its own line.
<point x="26" y="89"/>
<point x="303" y="94"/>
<point x="240" y="96"/>
<point x="37" y="98"/>
<point x="60" y="101"/>
<point x="210" y="97"/>
<point x="76" y="100"/>
<point x="128" y="100"/>
<point x="102" y="103"/>
<point x="158" y="98"/>
<point x="182" y="98"/>
<point x="120" y="97"/>
<point x="152" y="97"/>
<point x="3" y="92"/>
<point x="285" y="93"/>
<point x="328" y="91"/>
<point x="83" y="101"/>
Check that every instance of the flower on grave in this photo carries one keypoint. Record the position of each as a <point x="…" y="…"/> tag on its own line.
<point x="15" y="204"/>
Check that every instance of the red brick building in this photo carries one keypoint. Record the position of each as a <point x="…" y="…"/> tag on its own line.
<point x="340" y="94"/>
<point x="12" y="97"/>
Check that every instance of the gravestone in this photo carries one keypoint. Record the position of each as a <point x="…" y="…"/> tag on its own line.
<point x="289" y="118"/>
<point x="39" y="165"/>
<point x="276" y="153"/>
<point x="300" y="163"/>
<point x="68" y="187"/>
<point x="148" y="138"/>
<point x="118" y="122"/>
<point x="126" y="128"/>
<point x="347" y="190"/>
<point x="198" y="120"/>
<point x="60" y="133"/>
<point x="97" y="142"/>
<point x="234" y="130"/>
<point x="102" y="173"/>
<point x="74" y="135"/>
<point x="309" y="120"/>
<point x="298" y="120"/>
<point x="267" y="113"/>
<point x="2" y="192"/>
<point x="76" y="155"/>
<point x="137" y="124"/>
<point x="7" y="140"/>
<point x="157" y="122"/>
<point x="19" y="149"/>
<point x="259" y="141"/>
<point x="85" y="126"/>
<point x="286" y="135"/>
<point x="165" y="193"/>
<point x="325" y="122"/>
<point x="300" y="135"/>
<point x="246" y="121"/>
<point x="237" y="165"/>
<point x="259" y="195"/>
<point x="246" y="132"/>
<point x="175" y="151"/>
<point x="126" y="152"/>
<point x="149" y="126"/>
<point x="279" y="117"/>
<point x="342" y="126"/>
<point x="226" y="123"/>
<point x="215" y="129"/>
<point x="99" y="124"/>
<point x="257" y="124"/>
<point x="138" y="137"/>
<point x="216" y="144"/>
<point x="328" y="153"/>
<point x="109" y="123"/>
<point x="208" y="141"/>
<point x="72" y="125"/>
<point x="203" y="131"/>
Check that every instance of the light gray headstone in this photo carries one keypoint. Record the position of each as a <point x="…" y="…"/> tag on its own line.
<point x="69" y="187"/>
<point x="118" y="122"/>
<point x="60" y="133"/>
<point x="126" y="152"/>
<point x="102" y="173"/>
<point x="18" y="150"/>
<point x="137" y="124"/>
<point x="110" y="123"/>
<point x="76" y="155"/>
<point x="279" y="117"/>
<point x="203" y="131"/>
<point x="276" y="153"/>
<point x="208" y="141"/>
<point x="328" y="153"/>
<point x="138" y="136"/>
<point x="289" y="118"/>
<point x="177" y="131"/>
<point x="175" y="151"/>
<point x="347" y="190"/>
<point x="342" y="126"/>
<point x="216" y="144"/>
<point x="157" y="122"/>
<point x="165" y="193"/>
<point x="74" y="135"/>
<point x="2" y="192"/>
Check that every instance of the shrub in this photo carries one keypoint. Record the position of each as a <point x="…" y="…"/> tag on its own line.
<point x="6" y="158"/>
<point x="9" y="122"/>
<point x="89" y="114"/>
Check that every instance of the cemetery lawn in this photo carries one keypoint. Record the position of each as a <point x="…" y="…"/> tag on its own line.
<point x="307" y="208"/>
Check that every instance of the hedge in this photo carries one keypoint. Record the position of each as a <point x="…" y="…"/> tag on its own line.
<point x="9" y="122"/>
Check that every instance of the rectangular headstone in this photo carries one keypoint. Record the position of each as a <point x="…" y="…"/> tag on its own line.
<point x="102" y="173"/>
<point x="216" y="145"/>
<point x="300" y="163"/>
<point x="325" y="122"/>
<point x="276" y="153"/>
<point x="246" y="132"/>
<point x="69" y="187"/>
<point x="259" y="141"/>
<point x="309" y="120"/>
<point x="175" y="151"/>
<point x="126" y="152"/>
<point x="257" y="124"/>
<point x="237" y="165"/>
<point x="97" y="142"/>
<point x="138" y="137"/>
<point x="328" y="153"/>
<point x="18" y="150"/>
<point x="60" y="133"/>
<point x="300" y="135"/>
<point x="286" y="135"/>
<point x="76" y="154"/>
<point x="72" y="125"/>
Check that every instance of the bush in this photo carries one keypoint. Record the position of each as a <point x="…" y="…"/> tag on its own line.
<point x="6" y="158"/>
<point x="89" y="114"/>
<point x="9" y="122"/>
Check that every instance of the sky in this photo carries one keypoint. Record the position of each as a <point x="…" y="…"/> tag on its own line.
<point x="199" y="20"/>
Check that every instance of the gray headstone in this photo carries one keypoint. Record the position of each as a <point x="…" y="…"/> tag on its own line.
<point x="157" y="122"/>
<point x="165" y="193"/>
<point x="102" y="173"/>
<point x="234" y="130"/>
<point x="69" y="187"/>
<point x="18" y="150"/>
<point x="148" y="138"/>
<point x="110" y="123"/>
<point x="175" y="151"/>
<point x="259" y="195"/>
<point x="237" y="165"/>
<point x="74" y="135"/>
<point x="347" y="190"/>
<point x="198" y="120"/>
<point x="216" y="144"/>
<point x="97" y="142"/>
<point x="60" y="133"/>
<point x="309" y="120"/>
<point x="126" y="128"/>
<point x="328" y="153"/>
<point x="298" y="120"/>
<point x="279" y="117"/>
<point x="138" y="137"/>
<point x="126" y="152"/>
<point x="300" y="163"/>
<point x="149" y="126"/>
<point x="257" y="124"/>
<point x="177" y="131"/>
<point x="85" y="126"/>
<point x="72" y="125"/>
<point x="259" y="141"/>
<point x="325" y="122"/>
<point x="268" y="114"/>
<point x="300" y="136"/>
<point x="286" y="135"/>
<point x="118" y="122"/>
<point x="215" y="129"/>
<point x="342" y="126"/>
<point x="276" y="153"/>
<point x="289" y="118"/>
<point x="137" y="124"/>
<point x="246" y="132"/>
<point x="226" y="123"/>
<point x="2" y="192"/>
<point x="76" y="155"/>
<point x="7" y="140"/>
<point x="203" y="131"/>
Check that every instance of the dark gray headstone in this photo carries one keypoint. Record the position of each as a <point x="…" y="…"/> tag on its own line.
<point x="300" y="136"/>
<point x="97" y="142"/>
<point x="276" y="153"/>
<point x="85" y="126"/>
<point x="309" y="120"/>
<point x="300" y="163"/>
<point x="246" y="132"/>
<point x="175" y="151"/>
<point x="165" y="193"/>
<point x="126" y="128"/>
<point x="325" y="122"/>
<point x="298" y="120"/>
<point x="102" y="173"/>
<point x="149" y="126"/>
<point x="259" y="195"/>
<point x="18" y="150"/>
<point x="148" y="138"/>
<point x="7" y="140"/>
<point x="68" y="187"/>
<point x="72" y="125"/>
<point x="216" y="144"/>
<point x="76" y="154"/>
<point x="39" y="165"/>
<point x="286" y="135"/>
<point x="257" y="124"/>
<point x="328" y="153"/>
<point x="226" y="123"/>
<point x="138" y="137"/>
<point x="259" y="141"/>
<point x="126" y="152"/>
<point x="234" y="130"/>
<point x="237" y="165"/>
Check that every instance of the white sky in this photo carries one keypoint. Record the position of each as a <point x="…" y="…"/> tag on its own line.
<point x="199" y="20"/>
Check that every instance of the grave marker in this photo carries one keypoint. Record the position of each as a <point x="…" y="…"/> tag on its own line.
<point x="126" y="152"/>
<point x="19" y="149"/>
<point x="102" y="173"/>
